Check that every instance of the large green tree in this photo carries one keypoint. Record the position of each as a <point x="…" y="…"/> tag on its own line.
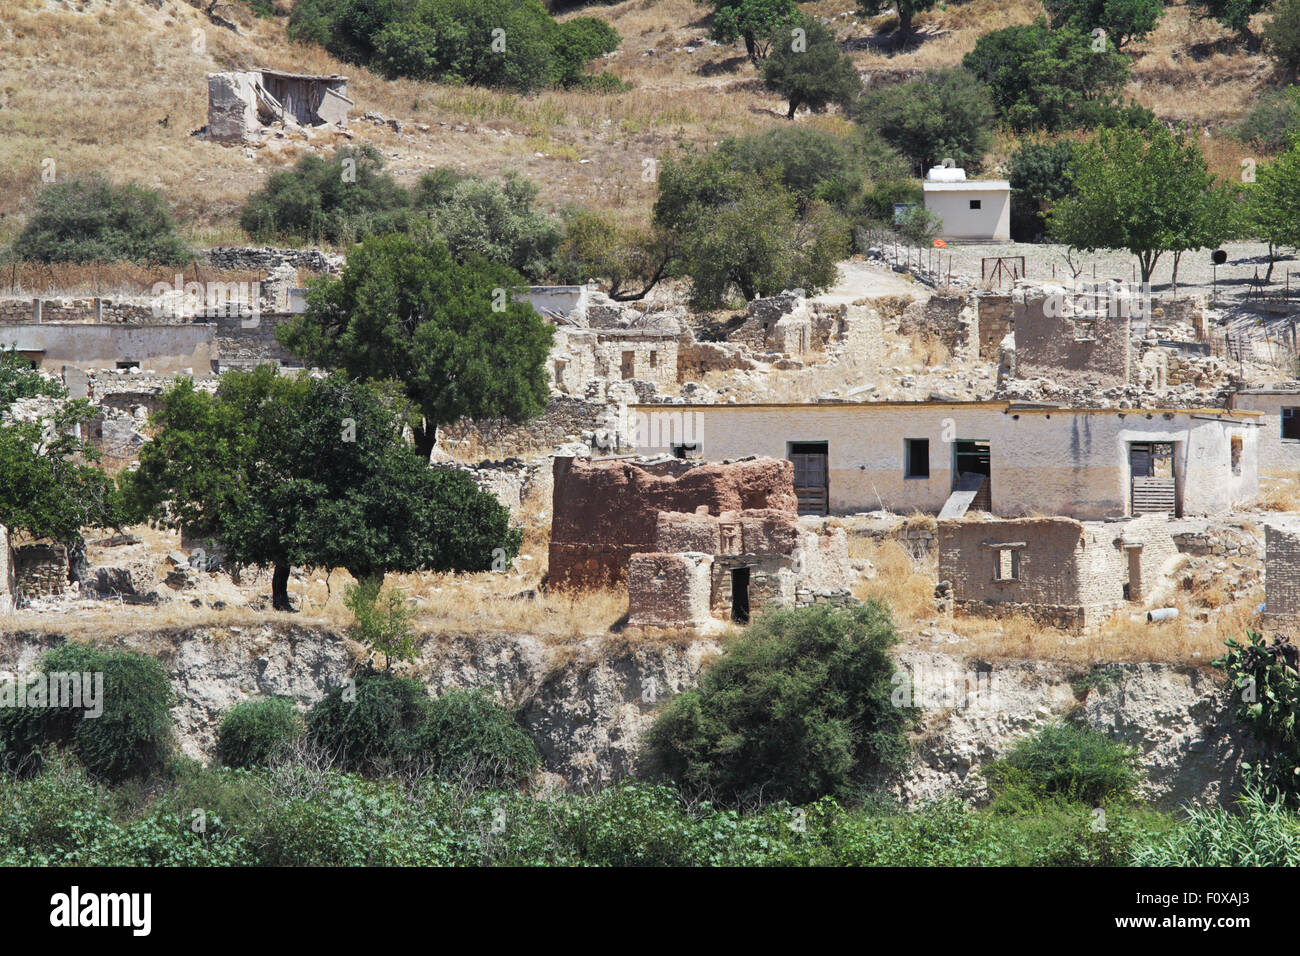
<point x="945" y="114"/>
<point x="452" y="334"/>
<point x="1045" y="78"/>
<point x="51" y="485"/>
<point x="808" y="68"/>
<point x="1146" y="190"/>
<point x="1272" y="206"/>
<point x="305" y="471"/>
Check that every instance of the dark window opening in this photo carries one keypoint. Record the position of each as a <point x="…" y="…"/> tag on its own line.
<point x="740" y="595"/>
<point x="1236" y="454"/>
<point x="686" y="450"/>
<point x="976" y="204"/>
<point x="1291" y="424"/>
<point x="918" y="458"/>
<point x="128" y="365"/>
<point x="629" y="359"/>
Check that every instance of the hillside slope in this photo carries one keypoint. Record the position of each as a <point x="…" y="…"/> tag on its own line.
<point x="119" y="86"/>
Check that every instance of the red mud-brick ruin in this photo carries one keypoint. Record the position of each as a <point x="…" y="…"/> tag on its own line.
<point x="696" y="544"/>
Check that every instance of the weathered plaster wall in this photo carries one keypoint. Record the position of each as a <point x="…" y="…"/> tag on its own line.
<point x="1071" y="338"/>
<point x="167" y="349"/>
<point x="1275" y="452"/>
<point x="1056" y="461"/>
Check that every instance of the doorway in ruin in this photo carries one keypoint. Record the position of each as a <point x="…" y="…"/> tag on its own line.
<point x="1153" y="479"/>
<point x="811" y="476"/>
<point x="628" y="365"/>
<point x="971" y="456"/>
<point x="740" y="595"/>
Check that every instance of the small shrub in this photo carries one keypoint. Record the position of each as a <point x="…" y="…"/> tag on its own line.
<point x="1068" y="761"/>
<point x="471" y="737"/>
<point x="798" y="708"/>
<point x="375" y="724"/>
<point x="254" y="731"/>
<point x="381" y="620"/>
<point x="1272" y="122"/>
<point x="132" y="737"/>
<point x="1263" y="832"/>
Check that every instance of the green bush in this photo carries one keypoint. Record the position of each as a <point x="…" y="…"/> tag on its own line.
<point x="254" y="731"/>
<point x="1037" y="173"/>
<point x="1068" y="761"/>
<point x="1273" y="122"/>
<point x="132" y="736"/>
<point x="1283" y="34"/>
<point x="339" y="199"/>
<point x="497" y="221"/>
<point x="742" y="233"/>
<point x="88" y="219"/>
<point x="373" y="725"/>
<point x="945" y="114"/>
<point x="797" y="708"/>
<point x="470" y="737"/>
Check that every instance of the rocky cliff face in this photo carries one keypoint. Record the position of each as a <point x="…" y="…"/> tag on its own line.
<point x="586" y="704"/>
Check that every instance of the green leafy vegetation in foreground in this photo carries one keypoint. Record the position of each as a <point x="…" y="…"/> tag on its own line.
<point x="295" y="815"/>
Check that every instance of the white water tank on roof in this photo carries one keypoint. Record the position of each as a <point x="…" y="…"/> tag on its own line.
<point x="946" y="174"/>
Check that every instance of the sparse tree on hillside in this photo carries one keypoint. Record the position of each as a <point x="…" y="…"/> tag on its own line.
<point x="808" y="68"/>
<point x="452" y="334"/>
<point x="907" y="10"/>
<point x="1282" y="31"/>
<point x="1234" y="14"/>
<point x="1123" y="20"/>
<point x="754" y="21"/>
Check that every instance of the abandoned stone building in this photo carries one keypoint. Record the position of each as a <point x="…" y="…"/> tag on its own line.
<point x="606" y="510"/>
<point x="1087" y="463"/>
<point x="1063" y="572"/>
<point x="240" y="103"/>
<point x="792" y="326"/>
<point x="707" y="569"/>
<point x="580" y="355"/>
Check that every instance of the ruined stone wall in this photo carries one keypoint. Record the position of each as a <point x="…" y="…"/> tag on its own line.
<point x="996" y="320"/>
<point x="1076" y="336"/>
<point x="8" y="584"/>
<point x="245" y="342"/>
<point x="669" y="590"/>
<point x="951" y="319"/>
<point x="266" y="259"/>
<point x="1049" y="551"/>
<point x="1282" y="571"/>
<point x="18" y="311"/>
<point x="40" y="569"/>
<point x="566" y="419"/>
<point x="1158" y="550"/>
<point x="165" y="349"/>
<point x="606" y="511"/>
